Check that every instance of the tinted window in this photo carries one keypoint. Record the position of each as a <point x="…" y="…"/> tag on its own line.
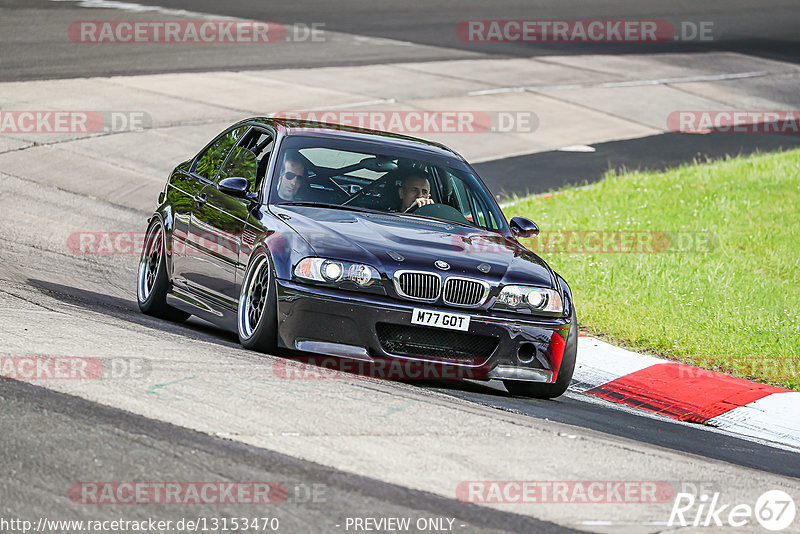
<point x="241" y="162"/>
<point x="261" y="144"/>
<point x="365" y="175"/>
<point x="209" y="162"/>
<point x="474" y="207"/>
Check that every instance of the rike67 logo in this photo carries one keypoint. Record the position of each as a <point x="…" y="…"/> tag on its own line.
<point x="774" y="510"/>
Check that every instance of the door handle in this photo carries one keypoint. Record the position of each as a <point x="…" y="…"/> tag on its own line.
<point x="201" y="199"/>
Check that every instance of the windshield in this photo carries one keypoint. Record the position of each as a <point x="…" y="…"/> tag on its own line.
<point x="366" y="176"/>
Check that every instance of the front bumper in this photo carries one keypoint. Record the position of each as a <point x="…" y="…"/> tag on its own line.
<point x="353" y="325"/>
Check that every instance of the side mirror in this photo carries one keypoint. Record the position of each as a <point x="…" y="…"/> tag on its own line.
<point x="522" y="227"/>
<point x="236" y="186"/>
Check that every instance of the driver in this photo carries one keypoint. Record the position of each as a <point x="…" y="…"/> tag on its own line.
<point x="415" y="191"/>
<point x="293" y="177"/>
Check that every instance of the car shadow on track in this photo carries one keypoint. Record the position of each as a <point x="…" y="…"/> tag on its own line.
<point x="127" y="310"/>
<point x="463" y="386"/>
<point x="565" y="409"/>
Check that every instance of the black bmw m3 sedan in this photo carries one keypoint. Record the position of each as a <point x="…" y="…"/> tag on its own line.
<point x="360" y="245"/>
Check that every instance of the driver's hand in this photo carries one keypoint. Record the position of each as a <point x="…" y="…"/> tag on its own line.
<point x="421" y="201"/>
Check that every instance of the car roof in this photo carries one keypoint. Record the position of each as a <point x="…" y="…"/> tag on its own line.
<point x="306" y="128"/>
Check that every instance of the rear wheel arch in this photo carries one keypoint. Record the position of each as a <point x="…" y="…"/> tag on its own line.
<point x="163" y="214"/>
<point x="152" y="278"/>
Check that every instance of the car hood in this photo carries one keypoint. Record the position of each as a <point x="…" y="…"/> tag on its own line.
<point x="371" y="237"/>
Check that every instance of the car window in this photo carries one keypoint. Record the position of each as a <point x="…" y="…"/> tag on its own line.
<point x="260" y="142"/>
<point x="241" y="162"/>
<point x="325" y="157"/>
<point x="209" y="162"/>
<point x="473" y="206"/>
<point x="249" y="159"/>
<point x="371" y="176"/>
<point x="461" y="199"/>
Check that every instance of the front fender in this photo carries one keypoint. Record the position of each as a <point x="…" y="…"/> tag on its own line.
<point x="283" y="244"/>
<point x="567" y="292"/>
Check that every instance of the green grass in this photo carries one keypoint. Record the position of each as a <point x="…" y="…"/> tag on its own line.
<point x="731" y="304"/>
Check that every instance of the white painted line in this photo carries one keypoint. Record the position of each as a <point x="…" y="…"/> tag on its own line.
<point x="504" y="205"/>
<point x="577" y="148"/>
<point x="379" y="41"/>
<point x="139" y="8"/>
<point x="497" y="91"/>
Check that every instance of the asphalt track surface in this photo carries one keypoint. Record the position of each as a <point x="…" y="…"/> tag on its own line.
<point x="764" y="28"/>
<point x="49" y="439"/>
<point x="569" y="409"/>
<point x="33" y="41"/>
<point x="31" y="51"/>
<point x="554" y="169"/>
<point x="112" y="441"/>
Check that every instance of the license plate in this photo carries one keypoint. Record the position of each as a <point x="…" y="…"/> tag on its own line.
<point x="452" y="321"/>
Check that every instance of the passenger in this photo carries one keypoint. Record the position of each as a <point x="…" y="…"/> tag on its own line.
<point x="293" y="178"/>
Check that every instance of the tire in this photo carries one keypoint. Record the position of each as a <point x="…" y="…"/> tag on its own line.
<point x="257" y="313"/>
<point x="151" y="279"/>
<point x="538" y="390"/>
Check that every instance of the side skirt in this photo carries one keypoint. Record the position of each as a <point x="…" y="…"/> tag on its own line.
<point x="191" y="302"/>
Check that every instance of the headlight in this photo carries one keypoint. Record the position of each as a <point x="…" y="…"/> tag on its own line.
<point x="331" y="271"/>
<point x="336" y="272"/>
<point x="533" y="299"/>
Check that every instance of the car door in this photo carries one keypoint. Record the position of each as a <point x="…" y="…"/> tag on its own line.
<point x="202" y="172"/>
<point x="218" y="223"/>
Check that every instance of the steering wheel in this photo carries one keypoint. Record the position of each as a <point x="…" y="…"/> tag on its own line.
<point x="440" y="211"/>
<point x="412" y="208"/>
